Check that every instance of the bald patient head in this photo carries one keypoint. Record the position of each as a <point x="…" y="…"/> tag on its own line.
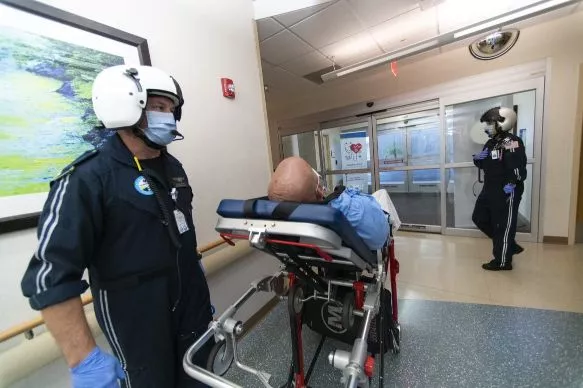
<point x="295" y="181"/>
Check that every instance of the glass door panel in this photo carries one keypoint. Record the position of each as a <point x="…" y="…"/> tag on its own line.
<point x="392" y="146"/>
<point x="421" y="203"/>
<point x="394" y="181"/>
<point x="362" y="182"/>
<point x="424" y="145"/>
<point x="407" y="146"/>
<point x="463" y="187"/>
<point x="304" y="145"/>
<point x="346" y="147"/>
<point x="465" y="134"/>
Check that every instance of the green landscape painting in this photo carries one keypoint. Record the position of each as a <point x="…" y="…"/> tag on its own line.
<point x="46" y="118"/>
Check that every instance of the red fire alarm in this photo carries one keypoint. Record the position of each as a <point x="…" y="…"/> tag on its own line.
<point x="228" y="87"/>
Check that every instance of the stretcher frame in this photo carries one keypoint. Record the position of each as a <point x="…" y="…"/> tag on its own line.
<point x="326" y="248"/>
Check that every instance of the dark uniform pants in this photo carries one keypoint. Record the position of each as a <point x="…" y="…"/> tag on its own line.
<point x="495" y="214"/>
<point x="139" y="326"/>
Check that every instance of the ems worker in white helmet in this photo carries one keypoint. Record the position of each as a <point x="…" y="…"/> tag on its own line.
<point x="503" y="160"/>
<point x="124" y="213"/>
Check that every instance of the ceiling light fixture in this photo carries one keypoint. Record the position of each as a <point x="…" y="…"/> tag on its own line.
<point x="493" y="23"/>
<point x="392" y="56"/>
<point x="529" y="11"/>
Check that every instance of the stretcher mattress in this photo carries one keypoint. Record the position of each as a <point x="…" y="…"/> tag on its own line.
<point x="321" y="215"/>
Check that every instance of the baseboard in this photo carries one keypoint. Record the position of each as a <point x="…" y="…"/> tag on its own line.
<point x="555" y="240"/>
<point x="579" y="233"/>
<point x="259" y="315"/>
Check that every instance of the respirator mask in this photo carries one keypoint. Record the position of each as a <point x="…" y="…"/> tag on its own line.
<point x="490" y="129"/>
<point x="161" y="129"/>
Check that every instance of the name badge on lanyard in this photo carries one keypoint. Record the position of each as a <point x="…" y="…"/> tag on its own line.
<point x="178" y="215"/>
<point x="495" y="155"/>
<point x="180" y="221"/>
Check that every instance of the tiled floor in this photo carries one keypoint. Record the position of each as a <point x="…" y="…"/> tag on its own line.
<point x="446" y="268"/>
<point x="443" y="344"/>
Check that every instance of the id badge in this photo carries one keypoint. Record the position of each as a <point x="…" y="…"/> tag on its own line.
<point x="180" y="221"/>
<point x="494" y="154"/>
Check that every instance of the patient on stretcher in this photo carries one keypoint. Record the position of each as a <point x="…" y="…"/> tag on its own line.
<point x="295" y="181"/>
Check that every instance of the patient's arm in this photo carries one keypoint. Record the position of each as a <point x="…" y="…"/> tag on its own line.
<point x="365" y="214"/>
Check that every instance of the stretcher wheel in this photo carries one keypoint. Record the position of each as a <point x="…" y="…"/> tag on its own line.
<point x="348" y="311"/>
<point x="296" y="299"/>
<point x="396" y="339"/>
<point x="220" y="358"/>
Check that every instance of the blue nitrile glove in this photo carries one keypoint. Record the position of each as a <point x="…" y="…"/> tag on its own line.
<point x="97" y="370"/>
<point x="509" y="188"/>
<point x="482" y="155"/>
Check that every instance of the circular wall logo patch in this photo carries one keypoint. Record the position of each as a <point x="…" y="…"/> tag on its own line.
<point x="141" y="185"/>
<point x="332" y="316"/>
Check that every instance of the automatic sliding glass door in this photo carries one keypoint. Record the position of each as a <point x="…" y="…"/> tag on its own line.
<point x="408" y="151"/>
<point x="424" y="159"/>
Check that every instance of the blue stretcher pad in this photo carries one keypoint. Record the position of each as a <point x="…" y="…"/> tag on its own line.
<point x="322" y="215"/>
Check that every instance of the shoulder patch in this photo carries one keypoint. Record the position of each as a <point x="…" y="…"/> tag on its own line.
<point x="80" y="160"/>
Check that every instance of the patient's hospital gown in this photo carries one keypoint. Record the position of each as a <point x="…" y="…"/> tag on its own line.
<point x="366" y="216"/>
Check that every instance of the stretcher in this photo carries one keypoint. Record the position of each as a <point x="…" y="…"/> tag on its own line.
<point x="333" y="283"/>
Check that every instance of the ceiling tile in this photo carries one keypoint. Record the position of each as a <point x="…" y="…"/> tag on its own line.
<point x="455" y="14"/>
<point x="282" y="47"/>
<point x="351" y="50"/>
<point x="307" y="64"/>
<point x="331" y="25"/>
<point x="406" y="29"/>
<point x="373" y="12"/>
<point x="277" y="78"/>
<point x="266" y="65"/>
<point x="291" y="18"/>
<point x="267" y="27"/>
<point x="546" y="17"/>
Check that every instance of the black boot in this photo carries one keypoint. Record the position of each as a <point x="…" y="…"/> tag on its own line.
<point x="496" y="266"/>
<point x="517" y="249"/>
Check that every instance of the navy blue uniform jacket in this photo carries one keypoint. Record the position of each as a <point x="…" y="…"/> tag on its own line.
<point x="100" y="216"/>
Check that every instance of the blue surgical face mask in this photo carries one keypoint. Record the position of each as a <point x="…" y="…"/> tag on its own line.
<point x="490" y="130"/>
<point x="161" y="128"/>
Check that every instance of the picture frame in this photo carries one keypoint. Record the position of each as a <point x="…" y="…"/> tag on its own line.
<point x="17" y="211"/>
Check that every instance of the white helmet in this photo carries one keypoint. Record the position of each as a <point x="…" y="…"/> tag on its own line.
<point x="504" y="118"/>
<point x="120" y="93"/>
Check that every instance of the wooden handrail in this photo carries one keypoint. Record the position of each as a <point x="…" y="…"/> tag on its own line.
<point x="28" y="326"/>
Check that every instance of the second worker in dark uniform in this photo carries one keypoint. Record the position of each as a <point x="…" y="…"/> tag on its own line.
<point x="503" y="160"/>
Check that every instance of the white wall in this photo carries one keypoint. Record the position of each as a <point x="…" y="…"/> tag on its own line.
<point x="558" y="40"/>
<point x="225" y="151"/>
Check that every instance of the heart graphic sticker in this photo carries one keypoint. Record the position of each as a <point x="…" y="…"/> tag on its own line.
<point x="356" y="147"/>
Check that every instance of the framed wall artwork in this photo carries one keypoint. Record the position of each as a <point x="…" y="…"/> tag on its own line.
<point x="48" y="61"/>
